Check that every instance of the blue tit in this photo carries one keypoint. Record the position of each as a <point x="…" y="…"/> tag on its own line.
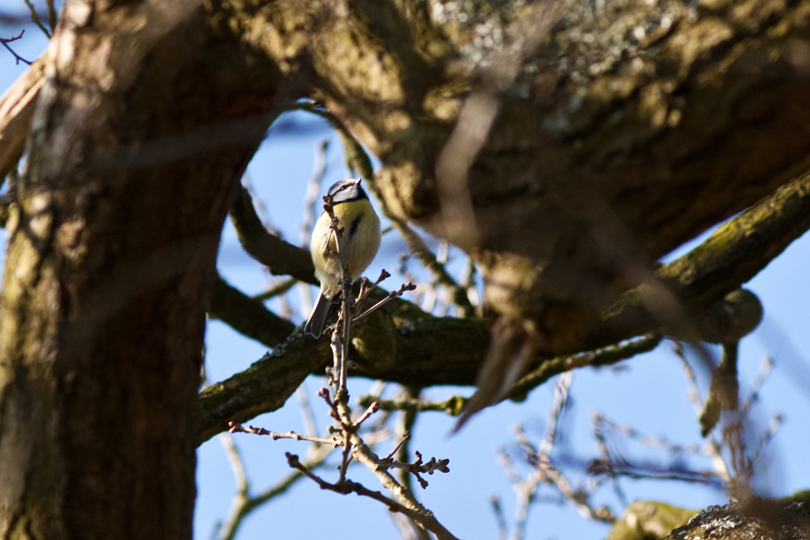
<point x="359" y="244"/>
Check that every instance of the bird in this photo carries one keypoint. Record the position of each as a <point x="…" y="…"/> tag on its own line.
<point x="359" y="244"/>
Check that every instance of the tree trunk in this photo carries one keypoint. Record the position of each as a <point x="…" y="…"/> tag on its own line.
<point x="565" y="147"/>
<point x="143" y="128"/>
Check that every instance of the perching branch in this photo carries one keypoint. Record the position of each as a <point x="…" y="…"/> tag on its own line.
<point x="449" y="351"/>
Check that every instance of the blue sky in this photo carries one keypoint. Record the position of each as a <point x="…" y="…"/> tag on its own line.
<point x="647" y="392"/>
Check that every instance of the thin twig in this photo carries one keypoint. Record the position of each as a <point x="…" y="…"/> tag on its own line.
<point x="599" y="357"/>
<point x="308" y="221"/>
<point x="244" y="506"/>
<point x="452" y="406"/>
<point x="276" y="289"/>
<point x="495" y="503"/>
<point x="340" y="344"/>
<point x="237" y="466"/>
<point x="714" y="447"/>
<point x="35" y="18"/>
<point x="51" y="16"/>
<point x="416" y="511"/>
<point x="366" y="288"/>
<point x="311" y="194"/>
<point x="761" y="376"/>
<point x="401" y="444"/>
<point x="393" y="294"/>
<point x="307" y="414"/>
<point x="352" y="487"/>
<point x="773" y="428"/>
<point x="17" y="57"/>
<point x="602" y="445"/>
<point x="239" y="428"/>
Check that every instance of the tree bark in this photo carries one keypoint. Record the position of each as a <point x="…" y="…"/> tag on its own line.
<point x="144" y="125"/>
<point x="573" y="164"/>
<point x="631" y="129"/>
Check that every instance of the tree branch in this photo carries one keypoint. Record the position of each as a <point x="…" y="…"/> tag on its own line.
<point x="278" y="256"/>
<point x="247" y="316"/>
<point x="16" y="108"/>
<point x="734" y="254"/>
<point x="434" y="351"/>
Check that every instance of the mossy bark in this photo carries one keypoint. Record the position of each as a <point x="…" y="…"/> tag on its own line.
<point x="631" y="129"/>
<point x="133" y="159"/>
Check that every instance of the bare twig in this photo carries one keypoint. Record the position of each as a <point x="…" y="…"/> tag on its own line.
<point x="275" y="289"/>
<point x="607" y="460"/>
<point x="239" y="428"/>
<point x="599" y="357"/>
<point x="363" y="454"/>
<point x="313" y="187"/>
<point x="401" y="453"/>
<point x="393" y="294"/>
<point x="560" y="404"/>
<point x="767" y="436"/>
<point x="243" y="506"/>
<point x="307" y="414"/>
<point x="495" y="503"/>
<point x="366" y="287"/>
<point x="237" y="467"/>
<point x="544" y="472"/>
<point x="5" y="42"/>
<point x="427" y="520"/>
<point x="648" y="471"/>
<point x="416" y="511"/>
<point x="402" y="442"/>
<point x="51" y="15"/>
<point x="761" y="376"/>
<point x="714" y="447"/>
<point x="310" y="200"/>
<point x="739" y="485"/>
<point x="452" y="406"/>
<point x="340" y="343"/>
<point x="340" y="412"/>
<point x="417" y="467"/>
<point x="35" y="18"/>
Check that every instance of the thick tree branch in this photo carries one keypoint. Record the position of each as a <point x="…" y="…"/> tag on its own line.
<point x="426" y="351"/>
<point x="631" y="130"/>
<point x="278" y="256"/>
<point x="263" y="387"/>
<point x="734" y="254"/>
<point x="247" y="316"/>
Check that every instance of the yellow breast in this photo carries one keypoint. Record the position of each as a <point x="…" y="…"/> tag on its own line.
<point x="360" y="242"/>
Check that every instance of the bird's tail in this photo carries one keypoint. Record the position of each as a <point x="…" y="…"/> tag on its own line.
<point x="314" y="326"/>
